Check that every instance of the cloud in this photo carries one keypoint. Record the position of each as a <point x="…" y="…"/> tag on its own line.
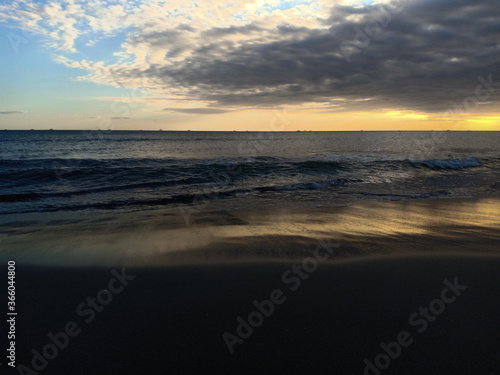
<point x="120" y="118"/>
<point x="422" y="56"/>
<point x="200" y="111"/>
<point x="426" y="59"/>
<point x="11" y="112"/>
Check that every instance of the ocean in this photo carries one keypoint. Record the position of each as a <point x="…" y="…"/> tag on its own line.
<point x="116" y="171"/>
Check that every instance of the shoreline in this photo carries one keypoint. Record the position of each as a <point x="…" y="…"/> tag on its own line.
<point x="186" y="290"/>
<point x="162" y="237"/>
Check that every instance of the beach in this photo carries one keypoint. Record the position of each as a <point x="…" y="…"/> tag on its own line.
<point x="343" y="283"/>
<point x="250" y="187"/>
<point x="177" y="253"/>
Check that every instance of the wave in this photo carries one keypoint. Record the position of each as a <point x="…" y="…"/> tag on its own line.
<point x="75" y="184"/>
<point x="21" y="173"/>
<point x="19" y="197"/>
<point x="313" y="185"/>
<point x="148" y="201"/>
<point x="456" y="164"/>
<point x="406" y="196"/>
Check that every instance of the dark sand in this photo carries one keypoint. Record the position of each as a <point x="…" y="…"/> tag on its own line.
<point x="171" y="320"/>
<point x="391" y="259"/>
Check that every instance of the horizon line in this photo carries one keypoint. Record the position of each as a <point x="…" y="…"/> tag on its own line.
<point x="249" y="131"/>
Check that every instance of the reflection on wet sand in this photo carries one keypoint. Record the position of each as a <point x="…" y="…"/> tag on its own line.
<point x="142" y="238"/>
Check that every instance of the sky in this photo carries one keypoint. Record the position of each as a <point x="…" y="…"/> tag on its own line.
<point x="250" y="65"/>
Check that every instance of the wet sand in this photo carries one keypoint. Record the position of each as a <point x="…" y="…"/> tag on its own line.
<point x="344" y="282"/>
<point x="163" y="238"/>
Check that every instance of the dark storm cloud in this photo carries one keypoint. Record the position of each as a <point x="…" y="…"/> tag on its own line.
<point x="198" y="111"/>
<point x="422" y="55"/>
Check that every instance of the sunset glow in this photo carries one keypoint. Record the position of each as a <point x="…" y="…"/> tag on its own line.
<point x="205" y="65"/>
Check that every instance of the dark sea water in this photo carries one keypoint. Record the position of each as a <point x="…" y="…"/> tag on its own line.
<point x="49" y="171"/>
